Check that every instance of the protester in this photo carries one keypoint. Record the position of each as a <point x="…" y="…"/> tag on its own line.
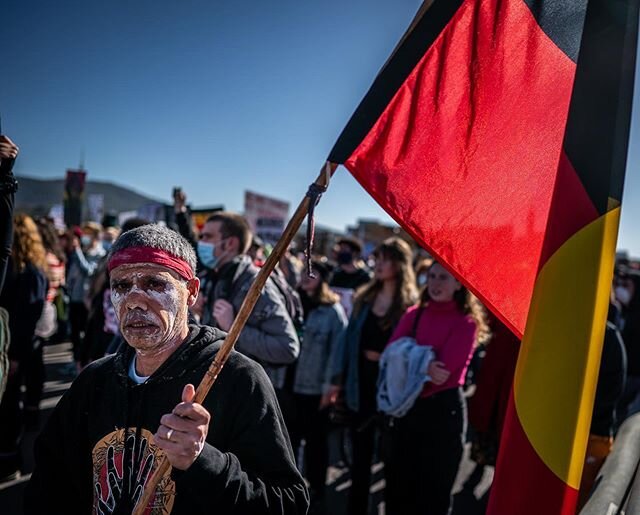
<point x="99" y="333"/>
<point x="99" y="446"/>
<point x="257" y="251"/>
<point x="8" y="187"/>
<point x="348" y="276"/>
<point x="269" y="336"/>
<point x="56" y="274"/>
<point x="66" y="238"/>
<point x="378" y="307"/>
<point x="423" y="449"/>
<point x="324" y="324"/>
<point x="488" y="406"/>
<point x="101" y="328"/>
<point x="56" y="258"/>
<point x="627" y="292"/>
<point x="109" y="236"/>
<point x="422" y="272"/>
<point x="23" y="296"/>
<point x="83" y="263"/>
<point x="291" y="268"/>
<point x="610" y="386"/>
<point x="133" y="223"/>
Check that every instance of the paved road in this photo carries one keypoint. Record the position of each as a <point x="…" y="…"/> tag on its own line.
<point x="469" y="498"/>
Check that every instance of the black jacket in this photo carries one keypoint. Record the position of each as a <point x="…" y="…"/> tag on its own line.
<point x="611" y="380"/>
<point x="23" y="296"/>
<point x="631" y="334"/>
<point x="7" y="200"/>
<point x="247" y="466"/>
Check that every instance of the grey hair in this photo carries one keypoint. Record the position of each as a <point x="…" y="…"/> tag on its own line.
<point x="157" y="236"/>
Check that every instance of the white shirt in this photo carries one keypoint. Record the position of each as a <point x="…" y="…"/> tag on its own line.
<point x="133" y="375"/>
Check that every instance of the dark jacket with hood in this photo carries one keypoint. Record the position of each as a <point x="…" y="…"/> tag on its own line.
<point x="96" y="451"/>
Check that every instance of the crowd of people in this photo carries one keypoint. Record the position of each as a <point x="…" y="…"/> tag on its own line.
<point x="330" y="344"/>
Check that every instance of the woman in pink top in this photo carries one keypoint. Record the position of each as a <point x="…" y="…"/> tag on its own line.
<point x="423" y="449"/>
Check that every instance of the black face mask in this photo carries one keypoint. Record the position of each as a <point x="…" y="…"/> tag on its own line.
<point x="344" y="257"/>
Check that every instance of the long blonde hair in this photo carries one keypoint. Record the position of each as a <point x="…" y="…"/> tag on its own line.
<point x="405" y="295"/>
<point x="27" y="245"/>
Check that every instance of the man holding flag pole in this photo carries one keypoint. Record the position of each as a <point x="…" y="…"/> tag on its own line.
<point x="126" y="413"/>
<point x="497" y="136"/>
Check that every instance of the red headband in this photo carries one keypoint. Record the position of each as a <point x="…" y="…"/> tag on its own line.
<point x="134" y="255"/>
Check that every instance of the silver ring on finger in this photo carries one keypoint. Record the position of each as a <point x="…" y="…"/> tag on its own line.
<point x="169" y="434"/>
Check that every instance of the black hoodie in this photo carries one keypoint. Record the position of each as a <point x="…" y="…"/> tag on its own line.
<point x="105" y="420"/>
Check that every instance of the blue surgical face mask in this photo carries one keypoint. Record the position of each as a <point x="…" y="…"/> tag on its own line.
<point x="106" y="245"/>
<point x="85" y="241"/>
<point x="206" y="254"/>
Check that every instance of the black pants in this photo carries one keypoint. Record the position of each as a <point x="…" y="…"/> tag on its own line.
<point x="10" y="427"/>
<point x="363" y="439"/>
<point x="78" y="315"/>
<point x="30" y="373"/>
<point x="422" y="453"/>
<point x="311" y="425"/>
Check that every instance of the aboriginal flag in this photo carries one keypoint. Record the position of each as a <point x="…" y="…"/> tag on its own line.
<point x="497" y="136"/>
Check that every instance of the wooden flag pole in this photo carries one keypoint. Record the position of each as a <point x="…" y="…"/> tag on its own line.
<point x="241" y="318"/>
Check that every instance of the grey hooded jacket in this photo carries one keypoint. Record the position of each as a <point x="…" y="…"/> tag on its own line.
<point x="269" y="337"/>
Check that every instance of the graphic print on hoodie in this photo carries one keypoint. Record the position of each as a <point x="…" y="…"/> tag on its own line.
<point x="120" y="468"/>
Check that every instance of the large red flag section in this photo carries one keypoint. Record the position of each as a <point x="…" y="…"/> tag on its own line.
<point x="459" y="139"/>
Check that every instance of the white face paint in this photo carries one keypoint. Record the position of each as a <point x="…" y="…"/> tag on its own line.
<point x="151" y="303"/>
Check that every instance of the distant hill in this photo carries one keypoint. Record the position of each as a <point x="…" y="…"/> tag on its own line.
<point x="36" y="196"/>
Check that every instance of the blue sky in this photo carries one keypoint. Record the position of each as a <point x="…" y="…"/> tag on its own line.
<point x="214" y="96"/>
